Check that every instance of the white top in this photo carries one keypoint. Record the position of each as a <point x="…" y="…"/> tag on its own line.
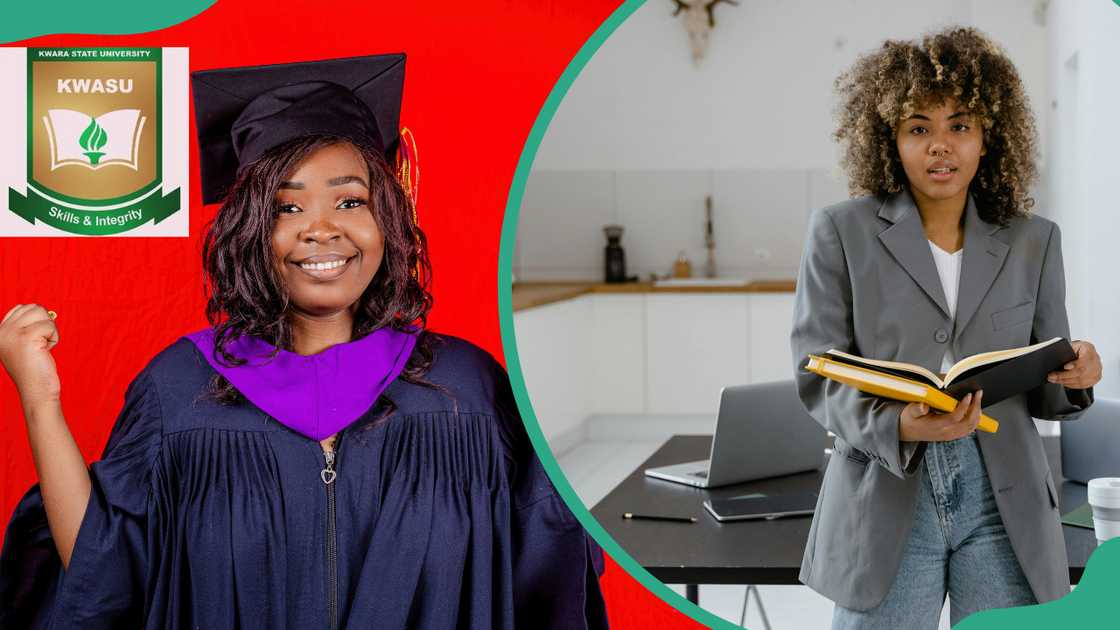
<point x="949" y="269"/>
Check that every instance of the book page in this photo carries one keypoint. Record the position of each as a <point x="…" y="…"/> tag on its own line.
<point x="64" y="126"/>
<point x="908" y="368"/>
<point x="996" y="356"/>
<point x="123" y="127"/>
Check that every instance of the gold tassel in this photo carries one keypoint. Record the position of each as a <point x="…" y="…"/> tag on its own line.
<point x="408" y="174"/>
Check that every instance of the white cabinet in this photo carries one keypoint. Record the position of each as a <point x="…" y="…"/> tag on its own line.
<point x="695" y="345"/>
<point x="555" y="351"/>
<point x="618" y="353"/>
<point x="653" y="353"/>
<point x="770" y="325"/>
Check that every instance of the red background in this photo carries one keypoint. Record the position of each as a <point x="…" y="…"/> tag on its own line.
<point x="476" y="77"/>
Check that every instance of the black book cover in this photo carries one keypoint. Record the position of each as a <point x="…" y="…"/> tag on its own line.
<point x="1011" y="377"/>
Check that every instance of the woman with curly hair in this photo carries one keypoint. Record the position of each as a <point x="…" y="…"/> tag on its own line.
<point x="935" y="258"/>
<point x="315" y="457"/>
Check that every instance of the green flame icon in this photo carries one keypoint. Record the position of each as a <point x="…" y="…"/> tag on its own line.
<point x="92" y="139"/>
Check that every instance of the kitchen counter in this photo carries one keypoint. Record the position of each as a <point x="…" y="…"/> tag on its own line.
<point x="528" y="295"/>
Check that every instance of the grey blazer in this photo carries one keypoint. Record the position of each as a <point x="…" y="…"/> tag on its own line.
<point x="868" y="285"/>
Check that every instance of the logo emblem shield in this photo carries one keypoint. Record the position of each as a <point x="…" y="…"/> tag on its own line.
<point x="95" y="141"/>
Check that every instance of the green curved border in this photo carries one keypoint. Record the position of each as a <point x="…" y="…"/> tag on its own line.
<point x="24" y="20"/>
<point x="1090" y="601"/>
<point x="1093" y="601"/>
<point x="509" y="341"/>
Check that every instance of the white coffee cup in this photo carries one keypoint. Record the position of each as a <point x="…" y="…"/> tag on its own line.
<point x="1104" y="497"/>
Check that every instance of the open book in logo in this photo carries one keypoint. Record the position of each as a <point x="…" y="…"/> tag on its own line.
<point x="93" y="142"/>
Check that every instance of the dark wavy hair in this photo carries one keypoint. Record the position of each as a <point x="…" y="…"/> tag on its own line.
<point x="886" y="86"/>
<point x="246" y="295"/>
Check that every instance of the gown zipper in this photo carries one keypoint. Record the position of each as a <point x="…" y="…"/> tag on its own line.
<point x="328" y="475"/>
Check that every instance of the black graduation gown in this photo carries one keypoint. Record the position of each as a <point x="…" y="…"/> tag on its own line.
<point x="210" y="516"/>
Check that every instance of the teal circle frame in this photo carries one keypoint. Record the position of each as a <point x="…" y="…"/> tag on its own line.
<point x="1083" y="605"/>
<point x="509" y="341"/>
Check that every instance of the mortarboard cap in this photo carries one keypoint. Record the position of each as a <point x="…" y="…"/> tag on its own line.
<point x="243" y="112"/>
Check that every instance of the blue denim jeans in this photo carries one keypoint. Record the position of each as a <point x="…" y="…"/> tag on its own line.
<point x="957" y="546"/>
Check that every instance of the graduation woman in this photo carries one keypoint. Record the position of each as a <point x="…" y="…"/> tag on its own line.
<point x="315" y="458"/>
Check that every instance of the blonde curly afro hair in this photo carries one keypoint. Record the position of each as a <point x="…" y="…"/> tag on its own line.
<point x="886" y="86"/>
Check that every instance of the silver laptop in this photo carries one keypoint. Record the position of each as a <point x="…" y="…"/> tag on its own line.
<point x="762" y="431"/>
<point x="1091" y="443"/>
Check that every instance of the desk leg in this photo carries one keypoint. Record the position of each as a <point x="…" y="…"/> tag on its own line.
<point x="692" y="592"/>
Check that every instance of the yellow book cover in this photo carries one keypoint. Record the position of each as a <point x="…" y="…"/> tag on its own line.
<point x="890" y="386"/>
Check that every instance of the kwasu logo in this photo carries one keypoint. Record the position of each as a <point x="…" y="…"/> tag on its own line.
<point x="94" y="140"/>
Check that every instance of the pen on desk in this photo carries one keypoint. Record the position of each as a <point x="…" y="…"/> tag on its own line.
<point x="652" y="517"/>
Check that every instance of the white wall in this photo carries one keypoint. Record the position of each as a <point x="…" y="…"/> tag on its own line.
<point x="1084" y="137"/>
<point x="643" y="136"/>
<point x="760" y="217"/>
<point x="762" y="97"/>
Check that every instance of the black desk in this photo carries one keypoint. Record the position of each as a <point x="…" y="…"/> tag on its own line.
<point x="747" y="552"/>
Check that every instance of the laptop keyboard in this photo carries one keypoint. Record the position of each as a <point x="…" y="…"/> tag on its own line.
<point x="703" y="474"/>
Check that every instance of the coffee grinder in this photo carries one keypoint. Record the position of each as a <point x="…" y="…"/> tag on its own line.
<point x="615" y="257"/>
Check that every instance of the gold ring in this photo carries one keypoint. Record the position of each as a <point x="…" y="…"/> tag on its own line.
<point x="52" y="314"/>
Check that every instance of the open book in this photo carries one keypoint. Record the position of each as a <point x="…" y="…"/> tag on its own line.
<point x="80" y="139"/>
<point x="1001" y="374"/>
